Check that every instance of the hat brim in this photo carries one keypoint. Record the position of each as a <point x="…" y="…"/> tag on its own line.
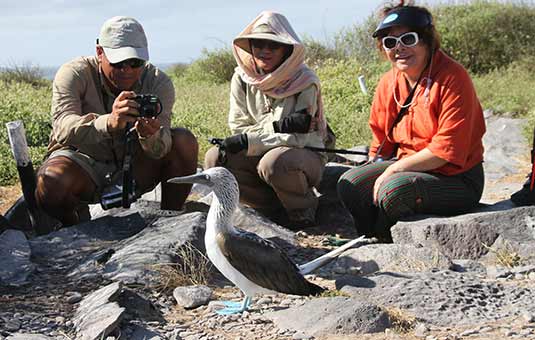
<point x="243" y="41"/>
<point x="405" y="16"/>
<point x="116" y="55"/>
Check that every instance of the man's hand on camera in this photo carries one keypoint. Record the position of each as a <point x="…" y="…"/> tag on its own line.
<point x="297" y="122"/>
<point x="236" y="143"/>
<point x="147" y="126"/>
<point x="124" y="109"/>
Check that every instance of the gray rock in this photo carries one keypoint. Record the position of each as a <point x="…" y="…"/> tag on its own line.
<point x="141" y="333"/>
<point x="98" y="315"/>
<point x="392" y="257"/>
<point x="473" y="266"/>
<point x="135" y="258"/>
<point x="442" y="298"/>
<point x="469" y="236"/>
<point x="503" y="138"/>
<point x="15" y="264"/>
<point x="192" y="296"/>
<point x="74" y="297"/>
<point x="495" y="272"/>
<point x="421" y="330"/>
<point x="26" y="336"/>
<point x="339" y="315"/>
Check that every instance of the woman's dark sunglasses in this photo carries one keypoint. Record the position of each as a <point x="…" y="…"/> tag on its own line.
<point x="408" y="39"/>
<point x="133" y="63"/>
<point x="263" y="43"/>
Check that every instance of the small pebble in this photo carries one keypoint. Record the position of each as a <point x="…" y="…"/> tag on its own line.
<point x="74" y="297"/>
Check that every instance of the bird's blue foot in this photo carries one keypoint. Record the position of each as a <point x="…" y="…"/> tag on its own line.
<point x="233" y="307"/>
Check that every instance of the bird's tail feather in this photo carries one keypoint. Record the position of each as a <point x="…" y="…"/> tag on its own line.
<point x="326" y="258"/>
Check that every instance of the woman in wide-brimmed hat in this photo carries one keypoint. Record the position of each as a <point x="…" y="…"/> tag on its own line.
<point x="275" y="111"/>
<point x="426" y="117"/>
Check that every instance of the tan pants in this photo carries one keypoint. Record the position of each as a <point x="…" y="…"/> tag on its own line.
<point x="281" y="176"/>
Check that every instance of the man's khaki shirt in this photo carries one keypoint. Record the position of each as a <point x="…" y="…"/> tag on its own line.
<point x="253" y="112"/>
<point x="82" y="102"/>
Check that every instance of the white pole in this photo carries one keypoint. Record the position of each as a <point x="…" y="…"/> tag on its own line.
<point x="17" y="140"/>
<point x="362" y="84"/>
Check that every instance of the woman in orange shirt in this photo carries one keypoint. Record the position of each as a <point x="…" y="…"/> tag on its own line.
<point x="427" y="123"/>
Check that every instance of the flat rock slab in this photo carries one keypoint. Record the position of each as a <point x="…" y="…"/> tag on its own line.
<point x="135" y="259"/>
<point x="328" y="316"/>
<point x="442" y="298"/>
<point x="468" y="236"/>
<point x="98" y="314"/>
<point x="26" y="336"/>
<point x="15" y="264"/>
<point x="390" y="257"/>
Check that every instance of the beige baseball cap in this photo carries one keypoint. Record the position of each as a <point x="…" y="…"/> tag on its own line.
<point x="123" y="38"/>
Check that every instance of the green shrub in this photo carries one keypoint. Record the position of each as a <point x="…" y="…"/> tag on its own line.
<point x="27" y="74"/>
<point x="216" y="66"/>
<point x="357" y="42"/>
<point x="508" y="89"/>
<point x="316" y="52"/>
<point x="347" y="109"/>
<point x="484" y="35"/>
<point x="202" y="108"/>
<point x="177" y="70"/>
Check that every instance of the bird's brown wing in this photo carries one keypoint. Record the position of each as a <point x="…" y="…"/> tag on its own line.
<point x="264" y="263"/>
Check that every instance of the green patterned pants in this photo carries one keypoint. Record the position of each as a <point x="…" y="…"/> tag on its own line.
<point x="404" y="194"/>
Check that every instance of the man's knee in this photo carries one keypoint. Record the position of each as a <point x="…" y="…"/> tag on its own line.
<point x="184" y="142"/>
<point x="62" y="182"/>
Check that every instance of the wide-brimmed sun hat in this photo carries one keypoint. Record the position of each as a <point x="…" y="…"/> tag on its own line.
<point x="123" y="38"/>
<point x="404" y="16"/>
<point x="262" y="31"/>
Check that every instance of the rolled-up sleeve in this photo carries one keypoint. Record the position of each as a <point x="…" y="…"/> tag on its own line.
<point x="457" y="121"/>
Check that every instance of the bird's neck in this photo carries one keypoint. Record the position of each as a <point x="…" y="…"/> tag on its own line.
<point x="220" y="216"/>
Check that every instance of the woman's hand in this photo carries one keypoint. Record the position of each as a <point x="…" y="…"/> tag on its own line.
<point x="380" y="180"/>
<point x="423" y="160"/>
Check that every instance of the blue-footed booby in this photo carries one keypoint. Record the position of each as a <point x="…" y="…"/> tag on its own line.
<point x="255" y="265"/>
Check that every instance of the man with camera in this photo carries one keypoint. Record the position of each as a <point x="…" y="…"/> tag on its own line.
<point x="111" y="110"/>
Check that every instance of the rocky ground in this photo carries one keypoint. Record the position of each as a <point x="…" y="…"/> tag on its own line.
<point x="464" y="277"/>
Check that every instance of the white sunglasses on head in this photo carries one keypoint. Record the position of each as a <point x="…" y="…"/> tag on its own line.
<point x="408" y="39"/>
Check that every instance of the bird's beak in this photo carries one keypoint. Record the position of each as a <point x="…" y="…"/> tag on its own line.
<point x="197" y="178"/>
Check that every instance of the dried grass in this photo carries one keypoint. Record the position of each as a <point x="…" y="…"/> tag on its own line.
<point x="192" y="268"/>
<point x="506" y="255"/>
<point x="400" y="320"/>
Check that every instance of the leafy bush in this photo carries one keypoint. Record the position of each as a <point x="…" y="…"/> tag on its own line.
<point x="357" y="42"/>
<point x="508" y="89"/>
<point x="347" y="109"/>
<point x="316" y="52"/>
<point x="202" y="108"/>
<point x="215" y="66"/>
<point x="27" y="74"/>
<point x="484" y="35"/>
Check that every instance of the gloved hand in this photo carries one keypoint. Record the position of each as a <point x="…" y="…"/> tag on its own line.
<point x="236" y="143"/>
<point x="297" y="122"/>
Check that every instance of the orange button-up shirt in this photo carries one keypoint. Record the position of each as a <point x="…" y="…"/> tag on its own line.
<point x="446" y="118"/>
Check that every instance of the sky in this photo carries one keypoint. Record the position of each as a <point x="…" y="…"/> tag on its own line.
<point x="51" y="32"/>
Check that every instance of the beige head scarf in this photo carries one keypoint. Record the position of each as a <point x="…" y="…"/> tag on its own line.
<point x="290" y="78"/>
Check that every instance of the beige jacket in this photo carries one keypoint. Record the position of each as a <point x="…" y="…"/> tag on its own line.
<point x="252" y="112"/>
<point x="82" y="102"/>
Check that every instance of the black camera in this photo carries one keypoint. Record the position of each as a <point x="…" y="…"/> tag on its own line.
<point x="113" y="197"/>
<point x="149" y="105"/>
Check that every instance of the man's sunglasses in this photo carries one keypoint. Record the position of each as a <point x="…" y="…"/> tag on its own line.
<point x="263" y="43"/>
<point x="133" y="63"/>
<point x="408" y="39"/>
